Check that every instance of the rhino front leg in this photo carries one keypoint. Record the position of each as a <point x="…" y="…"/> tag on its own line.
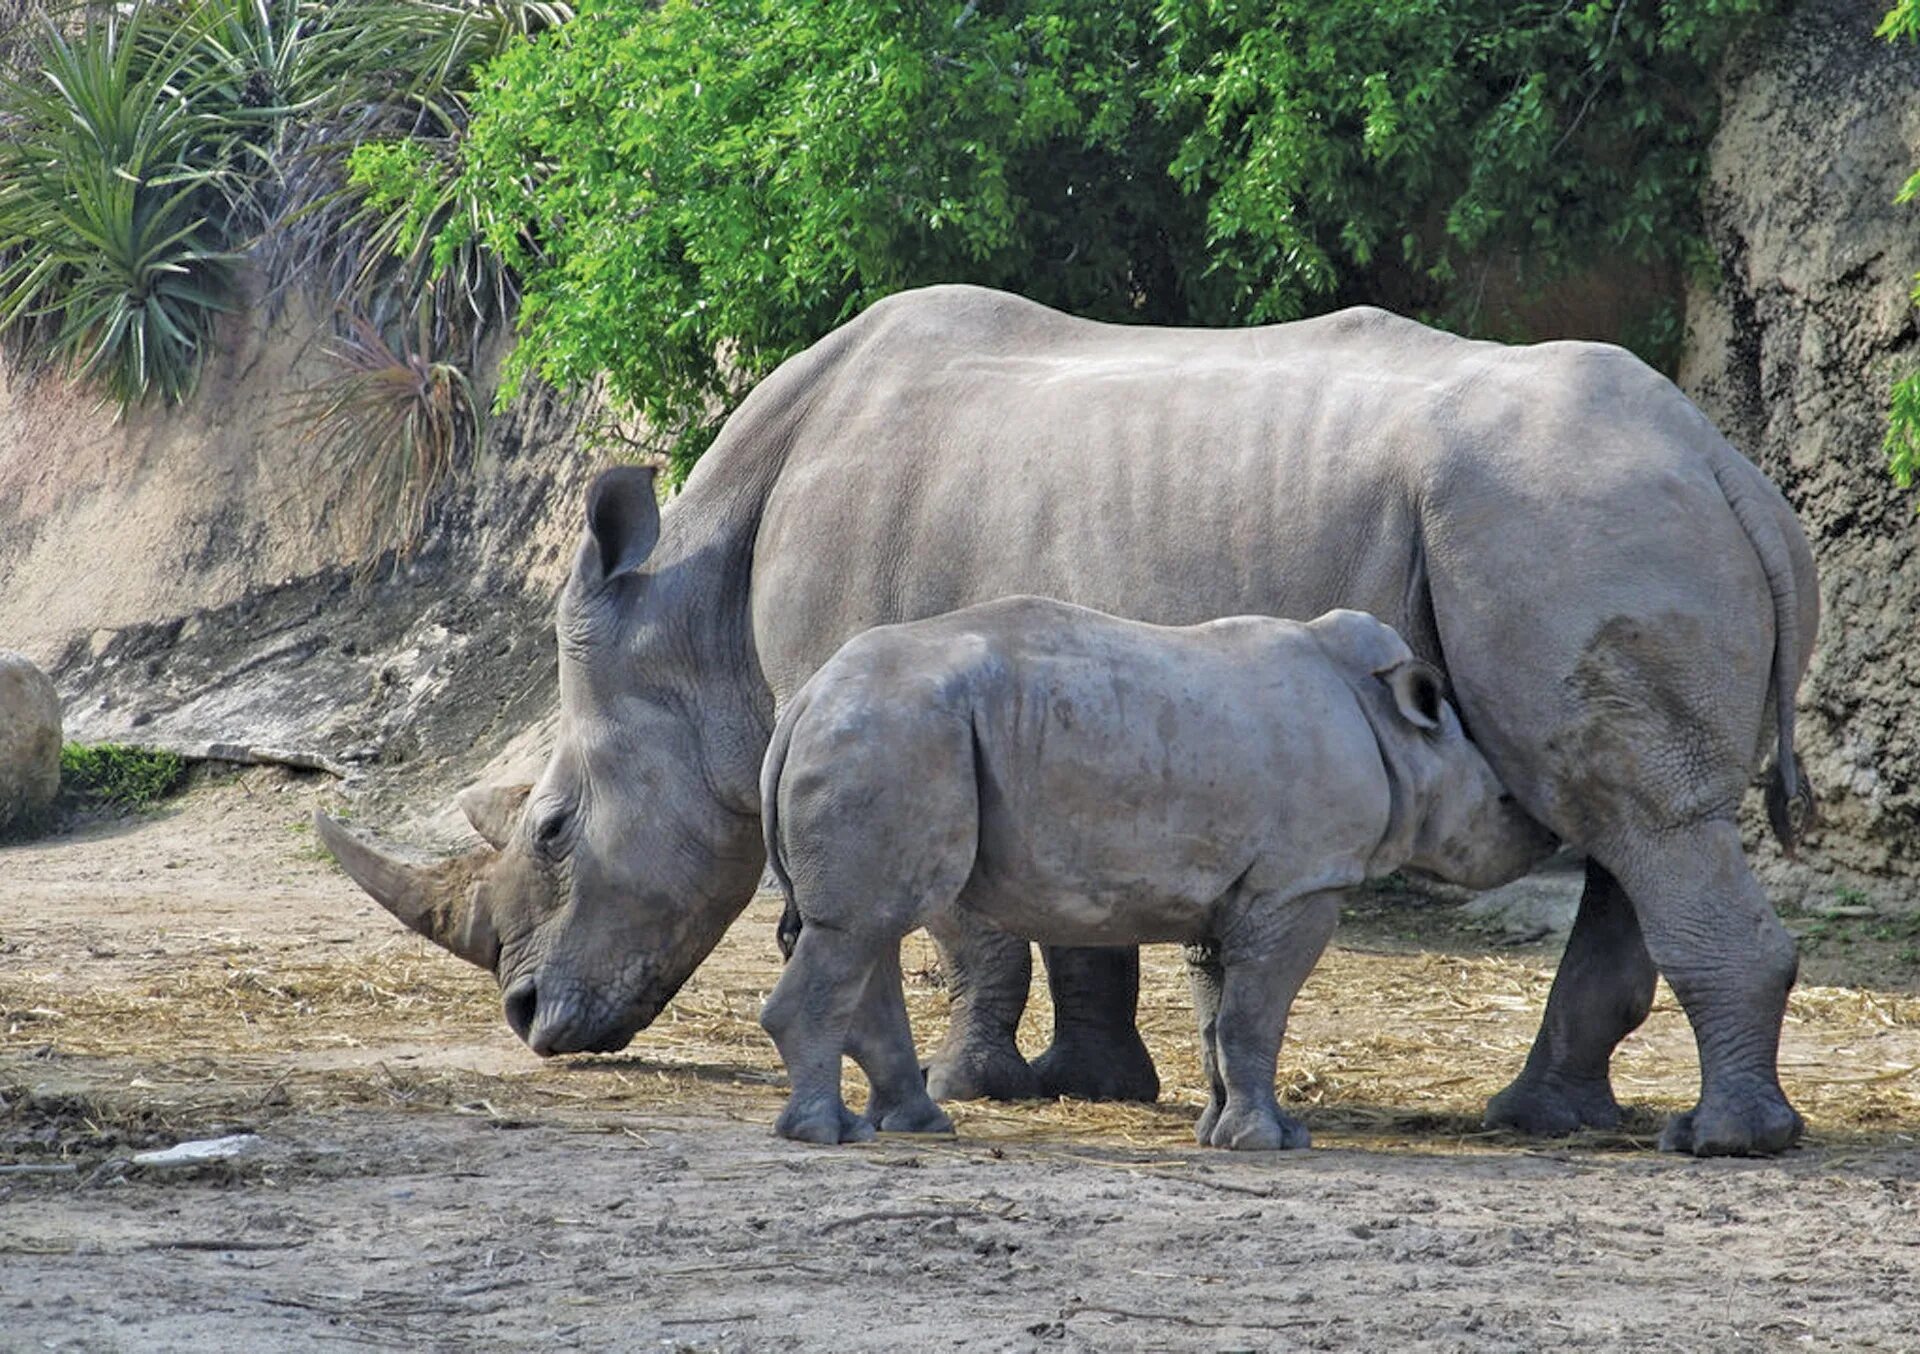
<point x="881" y="1041"/>
<point x="1205" y="977"/>
<point x="809" y="1014"/>
<point x="1097" y="1052"/>
<point x="1256" y="993"/>
<point x="1712" y="932"/>
<point x="1601" y="993"/>
<point x="988" y="973"/>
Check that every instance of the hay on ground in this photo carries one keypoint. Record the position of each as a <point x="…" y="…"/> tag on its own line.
<point x="1382" y="1049"/>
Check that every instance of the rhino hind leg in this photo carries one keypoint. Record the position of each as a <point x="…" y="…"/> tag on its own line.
<point x="1711" y="931"/>
<point x="1097" y="1052"/>
<point x="1257" y="989"/>
<point x="881" y="1041"/>
<point x="1601" y="994"/>
<point x="809" y="1014"/>
<point x="988" y="973"/>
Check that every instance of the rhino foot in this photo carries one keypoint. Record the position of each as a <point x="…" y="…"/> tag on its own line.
<point x="822" y="1122"/>
<point x="921" y="1116"/>
<point x="1552" y="1107"/>
<point x="1762" y="1126"/>
<point x="1098" y="1064"/>
<point x="1261" y="1129"/>
<point x="981" y="1070"/>
<point x="1208" y="1120"/>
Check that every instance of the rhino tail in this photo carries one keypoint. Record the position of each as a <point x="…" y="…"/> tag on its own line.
<point x="771" y="770"/>
<point x="1790" y="807"/>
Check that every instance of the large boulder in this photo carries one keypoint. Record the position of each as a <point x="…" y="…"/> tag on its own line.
<point x="1792" y="354"/>
<point x="29" y="741"/>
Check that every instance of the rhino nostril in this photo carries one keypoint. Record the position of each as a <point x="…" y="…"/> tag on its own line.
<point x="521" y="1001"/>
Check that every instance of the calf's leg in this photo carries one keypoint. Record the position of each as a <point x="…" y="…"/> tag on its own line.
<point x="1601" y="993"/>
<point x="1097" y="1052"/>
<point x="881" y="1041"/>
<point x="809" y="1014"/>
<point x="1261" y="977"/>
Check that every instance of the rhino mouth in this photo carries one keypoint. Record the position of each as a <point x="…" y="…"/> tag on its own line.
<point x="569" y="1023"/>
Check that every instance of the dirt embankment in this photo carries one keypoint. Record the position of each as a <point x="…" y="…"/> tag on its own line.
<point x="201" y="575"/>
<point x="420" y="1180"/>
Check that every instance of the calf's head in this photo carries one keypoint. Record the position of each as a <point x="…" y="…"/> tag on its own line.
<point x="1454" y="818"/>
<point x="1451" y="817"/>
<point x="603" y="885"/>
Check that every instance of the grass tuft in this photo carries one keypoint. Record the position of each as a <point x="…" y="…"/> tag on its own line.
<point x="119" y="776"/>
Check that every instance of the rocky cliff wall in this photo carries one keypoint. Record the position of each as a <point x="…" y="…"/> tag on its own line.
<point x="1792" y="354"/>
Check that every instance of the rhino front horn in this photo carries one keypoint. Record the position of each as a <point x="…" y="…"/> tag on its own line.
<point x="435" y="900"/>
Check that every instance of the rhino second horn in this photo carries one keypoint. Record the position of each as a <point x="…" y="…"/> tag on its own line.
<point x="494" y="810"/>
<point x="434" y="900"/>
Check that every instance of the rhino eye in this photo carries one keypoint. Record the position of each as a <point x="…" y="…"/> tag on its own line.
<point x="550" y="832"/>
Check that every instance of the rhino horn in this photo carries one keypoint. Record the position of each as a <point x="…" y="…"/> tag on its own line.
<point x="435" y="900"/>
<point x="494" y="810"/>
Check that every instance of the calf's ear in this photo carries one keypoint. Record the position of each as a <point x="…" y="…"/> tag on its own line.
<point x="1418" y="691"/>
<point x="623" y="520"/>
<point x="493" y="810"/>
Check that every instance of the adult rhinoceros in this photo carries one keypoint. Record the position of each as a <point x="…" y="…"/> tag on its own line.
<point x="1623" y="604"/>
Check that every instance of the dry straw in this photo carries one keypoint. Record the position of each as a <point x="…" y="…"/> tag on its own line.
<point x="1384" y="1049"/>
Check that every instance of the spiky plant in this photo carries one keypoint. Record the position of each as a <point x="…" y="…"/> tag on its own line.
<point x="372" y="182"/>
<point x="109" y="265"/>
<point x="399" y="420"/>
<point x="259" y="66"/>
<point x="145" y="146"/>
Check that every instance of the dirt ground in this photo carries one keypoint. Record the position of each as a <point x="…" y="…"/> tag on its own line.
<point x="420" y="1180"/>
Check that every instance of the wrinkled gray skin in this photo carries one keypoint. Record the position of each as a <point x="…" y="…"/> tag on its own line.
<point x="1623" y="605"/>
<point x="1073" y="778"/>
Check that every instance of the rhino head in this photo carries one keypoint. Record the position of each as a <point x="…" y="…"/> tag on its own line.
<point x="1451" y="816"/>
<point x="1465" y="827"/>
<point x="601" y="887"/>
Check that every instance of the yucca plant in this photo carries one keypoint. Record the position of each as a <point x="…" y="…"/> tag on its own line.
<point x="407" y="194"/>
<point x="109" y="265"/>
<point x="400" y="420"/>
<point x="146" y="145"/>
<point x="433" y="47"/>
<point x="259" y="67"/>
<point x="142" y="288"/>
<point x="371" y="181"/>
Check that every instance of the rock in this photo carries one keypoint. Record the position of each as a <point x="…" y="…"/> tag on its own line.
<point x="1534" y="908"/>
<point x="199" y="1152"/>
<point x="29" y="741"/>
<point x="1792" y="354"/>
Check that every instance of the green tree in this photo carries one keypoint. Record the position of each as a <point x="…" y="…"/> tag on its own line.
<point x="1902" y="444"/>
<point x="691" y="190"/>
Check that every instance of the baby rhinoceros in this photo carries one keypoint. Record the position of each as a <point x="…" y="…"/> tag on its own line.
<point x="1078" y="779"/>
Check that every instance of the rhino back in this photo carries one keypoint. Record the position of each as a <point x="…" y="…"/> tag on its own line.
<point x="1500" y="506"/>
<point x="1128" y="775"/>
<point x="972" y="445"/>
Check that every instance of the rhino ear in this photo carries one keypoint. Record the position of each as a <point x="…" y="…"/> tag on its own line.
<point x="493" y="810"/>
<point x="623" y="519"/>
<point x="1418" y="691"/>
